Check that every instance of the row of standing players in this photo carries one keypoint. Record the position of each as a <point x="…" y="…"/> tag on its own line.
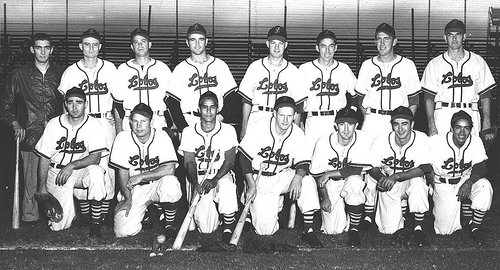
<point x="455" y="80"/>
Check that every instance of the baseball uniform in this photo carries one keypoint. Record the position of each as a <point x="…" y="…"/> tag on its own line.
<point x="457" y="86"/>
<point x="203" y="145"/>
<point x="452" y="167"/>
<point x="63" y="143"/>
<point x="128" y="153"/>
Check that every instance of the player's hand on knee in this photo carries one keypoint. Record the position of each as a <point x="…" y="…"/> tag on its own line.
<point x="326" y="205"/>
<point x="323" y="180"/>
<point x="208" y="185"/>
<point x="295" y="188"/>
<point x="124" y="205"/>
<point x="64" y="174"/>
<point x="133" y="181"/>
<point x="464" y="191"/>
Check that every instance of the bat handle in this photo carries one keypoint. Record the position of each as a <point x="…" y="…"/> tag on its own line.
<point x="15" y="208"/>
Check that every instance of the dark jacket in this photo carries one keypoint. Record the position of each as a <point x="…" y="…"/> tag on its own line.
<point x="32" y="99"/>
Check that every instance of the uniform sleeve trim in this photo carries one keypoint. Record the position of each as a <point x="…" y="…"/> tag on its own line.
<point x="234" y="89"/>
<point x="428" y="91"/>
<point x="244" y="153"/>
<point x="41" y="154"/>
<point x="98" y="150"/>
<point x="302" y="162"/>
<point x="247" y="99"/>
<point x="174" y="96"/>
<point x="168" y="161"/>
<point x="301" y="100"/>
<point x="487" y="89"/>
<point x="114" y="165"/>
<point x="358" y="93"/>
<point x="415" y="94"/>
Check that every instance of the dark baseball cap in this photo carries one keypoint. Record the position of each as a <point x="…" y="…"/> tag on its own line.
<point x="140" y="32"/>
<point x="385" y="28"/>
<point x="143" y="110"/>
<point x="91" y="32"/>
<point x="277" y="32"/>
<point x="285" y="101"/>
<point x="326" y="34"/>
<point x="402" y="112"/>
<point x="208" y="95"/>
<point x="347" y="114"/>
<point x="196" y="29"/>
<point x="461" y="115"/>
<point x="455" y="26"/>
<point x="75" y="92"/>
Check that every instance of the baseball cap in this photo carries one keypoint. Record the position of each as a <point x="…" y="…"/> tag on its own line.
<point x="91" y="32"/>
<point x="208" y="95"/>
<point x="385" y="28"/>
<point x="140" y="32"/>
<point x="402" y="112"/>
<point x="196" y="29"/>
<point x="277" y="32"/>
<point x="347" y="114"/>
<point x="454" y="26"/>
<point x="285" y="101"/>
<point x="461" y="115"/>
<point x="326" y="34"/>
<point x="75" y="92"/>
<point x="143" y="110"/>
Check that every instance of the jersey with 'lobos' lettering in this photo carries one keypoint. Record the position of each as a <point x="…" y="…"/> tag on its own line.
<point x="130" y="154"/>
<point x="63" y="143"/>
<point x="264" y="83"/>
<point x="261" y="144"/>
<point x="386" y="86"/>
<point x="97" y="83"/>
<point x="190" y="80"/>
<point x="392" y="158"/>
<point x="147" y="84"/>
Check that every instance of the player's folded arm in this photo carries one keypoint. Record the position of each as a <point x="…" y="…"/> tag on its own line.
<point x="478" y="171"/>
<point x="376" y="173"/>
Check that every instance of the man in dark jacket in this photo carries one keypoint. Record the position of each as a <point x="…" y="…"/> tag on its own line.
<point x="30" y="101"/>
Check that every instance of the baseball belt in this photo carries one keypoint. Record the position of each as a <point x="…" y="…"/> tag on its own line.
<point x="383" y="112"/>
<point x="194" y="113"/>
<point x="205" y="172"/>
<point x="56" y="166"/>
<point x="456" y="105"/>
<point x="101" y="115"/>
<point x="451" y="181"/>
<point x="321" y="113"/>
<point x="265" y="173"/>
<point x="159" y="113"/>
<point x="264" y="108"/>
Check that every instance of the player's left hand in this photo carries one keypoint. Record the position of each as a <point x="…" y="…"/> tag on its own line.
<point x="64" y="174"/>
<point x="326" y="205"/>
<point x="295" y="187"/>
<point x="386" y="183"/>
<point x="208" y="185"/>
<point x="464" y="191"/>
<point x="133" y="181"/>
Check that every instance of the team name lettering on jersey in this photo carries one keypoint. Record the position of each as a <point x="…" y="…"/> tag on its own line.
<point x="272" y="88"/>
<point x="205" y="155"/>
<point x="275" y="158"/>
<point x="208" y="81"/>
<point x="457" y="81"/>
<point x="71" y="147"/>
<point x="144" y="164"/>
<point x="336" y="163"/>
<point x="333" y="88"/>
<point x="88" y="87"/>
<point x="386" y="82"/>
<point x="456" y="168"/>
<point x="142" y="84"/>
<point x="398" y="164"/>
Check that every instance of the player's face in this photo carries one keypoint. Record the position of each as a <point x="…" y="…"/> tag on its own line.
<point x="276" y="48"/>
<point x="461" y="131"/>
<point x="90" y="47"/>
<point x="385" y="43"/>
<point x="326" y="49"/>
<point x="346" y="130"/>
<point x="140" y="45"/>
<point x="455" y="40"/>
<point x="141" y="125"/>
<point x="208" y="110"/>
<point x="197" y="43"/>
<point x="284" y="118"/>
<point x="42" y="51"/>
<point x="75" y="107"/>
<point x="402" y="128"/>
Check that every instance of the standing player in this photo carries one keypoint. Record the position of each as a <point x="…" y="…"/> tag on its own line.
<point x="400" y="161"/>
<point x="70" y="151"/>
<point x="336" y="165"/>
<point x="459" y="163"/>
<point x="196" y="75"/>
<point x="329" y="82"/>
<point x="142" y="80"/>
<point x="457" y="80"/>
<point x="33" y="91"/>
<point x="95" y="76"/>
<point x="269" y="78"/>
<point x="145" y="159"/>
<point x="280" y="144"/>
<point x="199" y="143"/>
<point x="385" y="82"/>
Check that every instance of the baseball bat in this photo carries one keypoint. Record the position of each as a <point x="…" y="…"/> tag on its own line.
<point x="244" y="213"/>
<point x="291" y="216"/>
<point x="179" y="239"/>
<point x="15" y="208"/>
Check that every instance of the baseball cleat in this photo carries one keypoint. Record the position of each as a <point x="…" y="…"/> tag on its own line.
<point x="170" y="232"/>
<point x="365" y="225"/>
<point x="477" y="236"/>
<point x="226" y="236"/>
<point x="312" y="239"/>
<point x="354" y="238"/>
<point x="95" y="230"/>
<point x="420" y="238"/>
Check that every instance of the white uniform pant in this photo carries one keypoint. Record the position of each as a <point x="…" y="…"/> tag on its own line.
<point x="442" y="118"/>
<point x="90" y="178"/>
<point x="447" y="208"/>
<point x="376" y="124"/>
<point x="268" y="202"/>
<point x="389" y="217"/>
<point x="166" y="189"/>
<point x="317" y="127"/>
<point x="206" y="216"/>
<point x="349" y="191"/>
<point x="370" y="190"/>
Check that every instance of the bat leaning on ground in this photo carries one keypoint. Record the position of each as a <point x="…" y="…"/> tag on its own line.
<point x="15" y="207"/>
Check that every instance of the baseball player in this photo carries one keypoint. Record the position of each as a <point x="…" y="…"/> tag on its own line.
<point x="142" y="79"/>
<point x="400" y="160"/>
<point x="95" y="76"/>
<point x="457" y="80"/>
<point x="196" y="75"/>
<point x="329" y="82"/>
<point x="459" y="163"/>
<point x="269" y="78"/>
<point x="336" y="164"/>
<point x="384" y="83"/>
<point x="280" y="144"/>
<point x="198" y="145"/>
<point x="145" y="159"/>
<point x="70" y="151"/>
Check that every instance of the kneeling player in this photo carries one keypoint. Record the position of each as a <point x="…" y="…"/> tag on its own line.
<point x="146" y="161"/>
<point x="459" y="163"/>
<point x="340" y="157"/>
<point x="199" y="143"/>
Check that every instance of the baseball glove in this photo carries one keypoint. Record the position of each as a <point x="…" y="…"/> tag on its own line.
<point x="51" y="205"/>
<point x="253" y="246"/>
<point x="485" y="136"/>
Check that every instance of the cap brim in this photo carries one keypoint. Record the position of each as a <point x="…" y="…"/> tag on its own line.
<point x="276" y="37"/>
<point x="196" y="32"/>
<point x="346" y="119"/>
<point x="454" y="29"/>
